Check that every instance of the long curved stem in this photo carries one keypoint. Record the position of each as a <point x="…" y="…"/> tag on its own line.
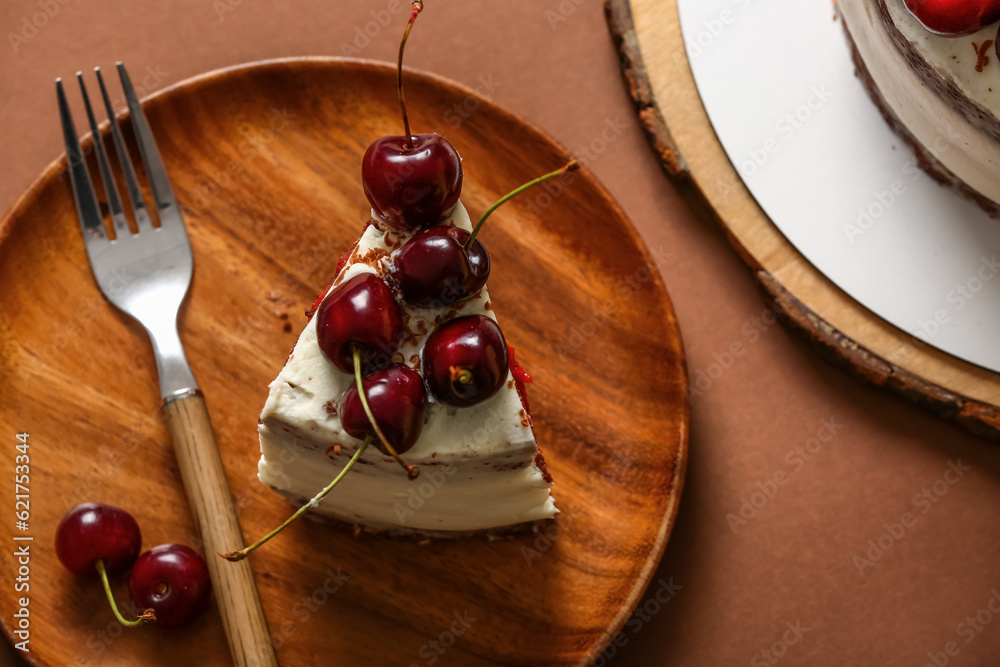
<point x="411" y="472"/>
<point x="417" y="6"/>
<point x="145" y="618"/>
<point x="245" y="551"/>
<point x="573" y="165"/>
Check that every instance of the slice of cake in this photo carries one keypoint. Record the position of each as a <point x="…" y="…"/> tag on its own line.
<point x="403" y="363"/>
<point x="480" y="468"/>
<point x="932" y="68"/>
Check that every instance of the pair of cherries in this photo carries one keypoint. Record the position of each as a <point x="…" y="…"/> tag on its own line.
<point x="954" y="17"/>
<point x="170" y="582"/>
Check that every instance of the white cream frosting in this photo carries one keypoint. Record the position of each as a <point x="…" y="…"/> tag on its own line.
<point x="960" y="146"/>
<point x="477" y="464"/>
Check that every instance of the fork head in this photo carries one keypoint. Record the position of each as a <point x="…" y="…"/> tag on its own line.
<point x="145" y="274"/>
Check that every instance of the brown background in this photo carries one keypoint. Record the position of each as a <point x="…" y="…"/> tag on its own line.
<point x="794" y="561"/>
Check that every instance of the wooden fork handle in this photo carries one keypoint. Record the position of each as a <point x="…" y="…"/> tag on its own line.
<point x="208" y="493"/>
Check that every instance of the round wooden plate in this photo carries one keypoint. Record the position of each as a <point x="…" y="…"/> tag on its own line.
<point x="266" y="159"/>
<point x="655" y="65"/>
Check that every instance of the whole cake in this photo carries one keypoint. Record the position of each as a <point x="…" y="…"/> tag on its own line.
<point x="932" y="68"/>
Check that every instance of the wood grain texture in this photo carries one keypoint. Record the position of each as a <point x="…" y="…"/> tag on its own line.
<point x="215" y="515"/>
<point x="266" y="161"/>
<point x="654" y="64"/>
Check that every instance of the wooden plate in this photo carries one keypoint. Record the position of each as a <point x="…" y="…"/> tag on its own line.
<point x="266" y="159"/>
<point x="655" y="65"/>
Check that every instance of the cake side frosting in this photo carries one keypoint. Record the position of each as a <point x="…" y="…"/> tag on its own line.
<point x="924" y="81"/>
<point x="961" y="70"/>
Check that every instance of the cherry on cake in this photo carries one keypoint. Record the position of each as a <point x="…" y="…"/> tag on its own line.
<point x="933" y="70"/>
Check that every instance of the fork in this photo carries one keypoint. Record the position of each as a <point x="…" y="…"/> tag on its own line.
<point x="147" y="275"/>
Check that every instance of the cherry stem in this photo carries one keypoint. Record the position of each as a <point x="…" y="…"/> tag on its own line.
<point x="145" y="618"/>
<point x="240" y="554"/>
<point x="461" y="375"/>
<point x="417" y="6"/>
<point x="411" y="472"/>
<point x="573" y="165"/>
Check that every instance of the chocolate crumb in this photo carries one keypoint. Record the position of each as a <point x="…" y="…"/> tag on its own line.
<point x="287" y="327"/>
<point x="540" y="462"/>
<point x="433" y="454"/>
<point x="331" y="408"/>
<point x="982" y="60"/>
<point x="283" y="314"/>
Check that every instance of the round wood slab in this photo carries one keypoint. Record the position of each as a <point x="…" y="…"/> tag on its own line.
<point x="266" y="160"/>
<point x="659" y="79"/>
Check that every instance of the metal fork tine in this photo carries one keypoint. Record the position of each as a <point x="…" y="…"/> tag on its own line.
<point x="156" y="172"/>
<point x="110" y="189"/>
<point x="134" y="194"/>
<point x="83" y="190"/>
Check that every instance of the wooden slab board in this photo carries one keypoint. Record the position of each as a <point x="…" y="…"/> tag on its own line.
<point x="266" y="161"/>
<point x="658" y="76"/>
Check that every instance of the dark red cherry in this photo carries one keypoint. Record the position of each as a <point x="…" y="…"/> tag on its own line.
<point x="363" y="311"/>
<point x="173" y="580"/>
<point x="465" y="360"/>
<point x="412" y="187"/>
<point x="433" y="269"/>
<point x="954" y="17"/>
<point x="92" y="532"/>
<point x="397" y="398"/>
